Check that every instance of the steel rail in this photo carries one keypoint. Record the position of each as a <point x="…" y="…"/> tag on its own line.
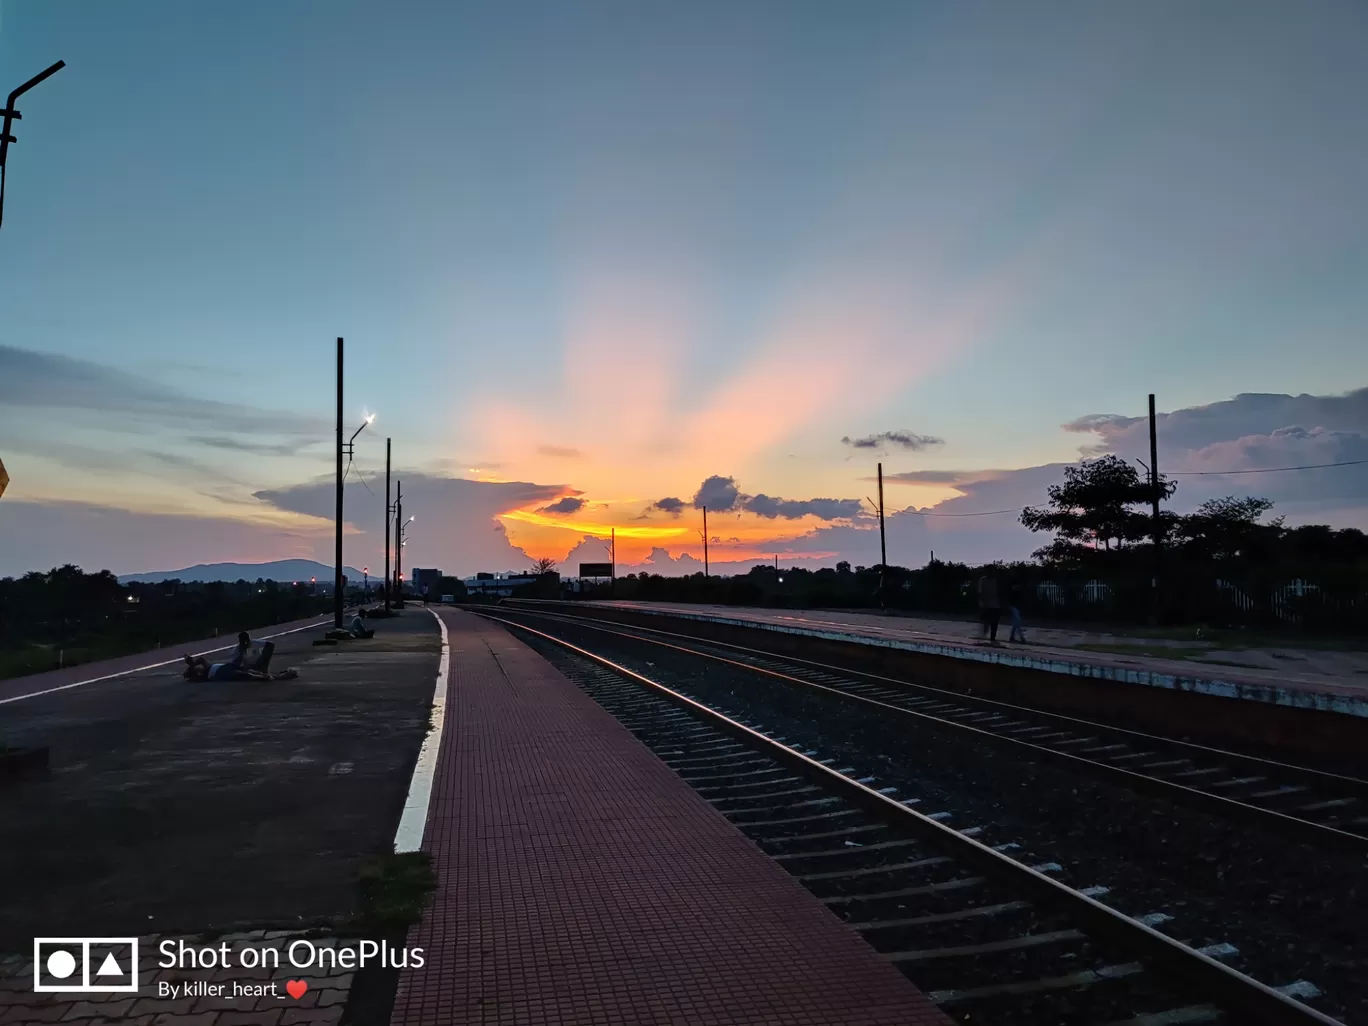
<point x="1235" y="991"/>
<point x="1305" y="830"/>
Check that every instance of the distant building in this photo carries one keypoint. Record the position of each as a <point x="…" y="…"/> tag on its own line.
<point x="428" y="577"/>
<point x="498" y="584"/>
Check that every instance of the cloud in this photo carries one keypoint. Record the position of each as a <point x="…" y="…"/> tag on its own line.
<point x="792" y="509"/>
<point x="40" y="535"/>
<point x="668" y="505"/>
<point x="121" y="461"/>
<point x="1252" y="431"/>
<point x="718" y="493"/>
<point x="34" y="379"/>
<point x="1249" y="413"/>
<point x="455" y="527"/>
<point x="904" y="439"/>
<point x="723" y="495"/>
<point x="569" y="504"/>
<point x="256" y="448"/>
<point x="560" y="452"/>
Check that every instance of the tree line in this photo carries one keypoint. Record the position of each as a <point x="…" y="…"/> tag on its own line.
<point x="1227" y="562"/>
<point x="67" y="616"/>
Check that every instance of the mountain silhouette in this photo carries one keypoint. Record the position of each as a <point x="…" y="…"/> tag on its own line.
<point x="285" y="570"/>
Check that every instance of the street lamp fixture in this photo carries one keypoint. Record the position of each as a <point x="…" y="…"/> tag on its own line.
<point x="350" y="447"/>
<point x="12" y="115"/>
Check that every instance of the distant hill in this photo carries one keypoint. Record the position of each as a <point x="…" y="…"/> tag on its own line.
<point x="280" y="570"/>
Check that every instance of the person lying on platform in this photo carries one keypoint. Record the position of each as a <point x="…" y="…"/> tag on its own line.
<point x="199" y="668"/>
<point x="358" y="628"/>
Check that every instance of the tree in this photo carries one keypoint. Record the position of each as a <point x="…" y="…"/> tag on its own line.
<point x="1095" y="503"/>
<point x="543" y="566"/>
<point x="1228" y="528"/>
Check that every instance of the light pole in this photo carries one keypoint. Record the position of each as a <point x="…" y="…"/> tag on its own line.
<point x="389" y="510"/>
<point x="398" y="515"/>
<point x="12" y="115"/>
<point x="400" y="540"/>
<point x="348" y="447"/>
<point x="365" y="582"/>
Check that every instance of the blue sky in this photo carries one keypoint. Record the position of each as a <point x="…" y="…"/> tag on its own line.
<point x="613" y="249"/>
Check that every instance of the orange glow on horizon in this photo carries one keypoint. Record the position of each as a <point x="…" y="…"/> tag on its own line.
<point x="598" y="530"/>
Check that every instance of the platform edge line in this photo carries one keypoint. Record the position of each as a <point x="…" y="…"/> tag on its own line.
<point x="150" y="666"/>
<point x="413" y="822"/>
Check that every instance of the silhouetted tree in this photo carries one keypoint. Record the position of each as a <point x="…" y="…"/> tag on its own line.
<point x="1228" y="528"/>
<point x="1096" y="502"/>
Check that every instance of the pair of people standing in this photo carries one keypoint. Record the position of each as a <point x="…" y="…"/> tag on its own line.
<point x="990" y="608"/>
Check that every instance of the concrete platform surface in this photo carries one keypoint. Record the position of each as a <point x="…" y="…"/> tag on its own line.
<point x="581" y="881"/>
<point x="88" y="674"/>
<point x="174" y="806"/>
<point x="1327" y="681"/>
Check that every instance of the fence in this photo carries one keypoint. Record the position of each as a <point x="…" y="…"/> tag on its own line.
<point x="1206" y="598"/>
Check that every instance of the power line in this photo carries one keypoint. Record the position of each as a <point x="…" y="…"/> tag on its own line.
<point x="983" y="513"/>
<point x="1262" y="470"/>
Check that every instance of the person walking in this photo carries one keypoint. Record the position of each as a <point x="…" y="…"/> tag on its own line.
<point x="1014" y="608"/>
<point x="990" y="606"/>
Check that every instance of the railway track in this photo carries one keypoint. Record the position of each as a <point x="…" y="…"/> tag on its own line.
<point x="992" y="936"/>
<point x="1304" y="804"/>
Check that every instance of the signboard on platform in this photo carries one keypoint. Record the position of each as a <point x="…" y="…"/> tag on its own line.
<point x="596" y="570"/>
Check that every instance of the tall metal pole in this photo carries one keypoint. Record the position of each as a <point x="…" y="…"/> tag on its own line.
<point x="338" y="597"/>
<point x="705" y="543"/>
<point x="399" y="544"/>
<point x="612" y="567"/>
<point x="387" y="523"/>
<point x="1158" y="524"/>
<point x="883" y="547"/>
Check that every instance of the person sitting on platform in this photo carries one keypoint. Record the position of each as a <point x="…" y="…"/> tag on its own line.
<point x="239" y="659"/>
<point x="358" y="628"/>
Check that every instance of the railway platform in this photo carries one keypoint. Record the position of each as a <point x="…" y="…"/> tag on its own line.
<point x="580" y="881"/>
<point x="1334" y="682"/>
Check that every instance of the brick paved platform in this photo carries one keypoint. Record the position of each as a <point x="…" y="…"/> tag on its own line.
<point x="580" y="881"/>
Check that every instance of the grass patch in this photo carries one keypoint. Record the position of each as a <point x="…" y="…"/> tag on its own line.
<point x="393" y="889"/>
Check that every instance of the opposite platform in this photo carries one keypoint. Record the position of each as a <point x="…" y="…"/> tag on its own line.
<point x="1341" y="686"/>
<point x="580" y="881"/>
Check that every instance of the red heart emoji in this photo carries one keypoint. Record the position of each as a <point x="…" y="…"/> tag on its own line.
<point x="297" y="988"/>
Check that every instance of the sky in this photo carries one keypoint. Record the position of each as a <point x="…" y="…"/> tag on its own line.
<point x="600" y="264"/>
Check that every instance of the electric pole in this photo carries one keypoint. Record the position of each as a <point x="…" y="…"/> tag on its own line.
<point x="387" y="523"/>
<point x="612" y="566"/>
<point x="705" y="543"/>
<point x="883" y="548"/>
<point x="1158" y="524"/>
<point x="338" y="597"/>
<point x="398" y="544"/>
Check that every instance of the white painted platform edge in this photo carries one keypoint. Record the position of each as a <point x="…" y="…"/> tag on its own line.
<point x="1270" y="694"/>
<point x="413" y="821"/>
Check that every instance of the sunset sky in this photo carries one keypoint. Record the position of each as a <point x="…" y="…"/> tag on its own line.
<point x="598" y="264"/>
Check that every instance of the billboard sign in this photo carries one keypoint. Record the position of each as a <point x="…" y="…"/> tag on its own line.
<point x="596" y="570"/>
